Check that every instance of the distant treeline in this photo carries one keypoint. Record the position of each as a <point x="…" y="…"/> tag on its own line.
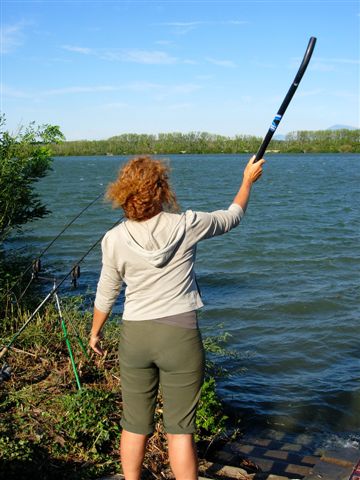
<point x="333" y="141"/>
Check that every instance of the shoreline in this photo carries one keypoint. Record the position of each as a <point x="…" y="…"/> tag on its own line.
<point x="243" y="152"/>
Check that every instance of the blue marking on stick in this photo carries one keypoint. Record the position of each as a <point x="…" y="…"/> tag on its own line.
<point x="275" y="123"/>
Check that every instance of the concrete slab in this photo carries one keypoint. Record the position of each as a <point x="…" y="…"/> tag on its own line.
<point x="218" y="470"/>
<point x="349" y="454"/>
<point x="329" y="471"/>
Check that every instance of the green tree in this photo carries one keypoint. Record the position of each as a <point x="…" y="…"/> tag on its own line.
<point x="24" y="158"/>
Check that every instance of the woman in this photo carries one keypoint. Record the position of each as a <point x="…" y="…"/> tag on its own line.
<point x="153" y="253"/>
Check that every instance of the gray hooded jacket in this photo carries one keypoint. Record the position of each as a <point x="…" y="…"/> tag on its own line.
<point x="155" y="259"/>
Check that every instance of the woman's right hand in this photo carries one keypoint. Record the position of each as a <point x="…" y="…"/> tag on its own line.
<point x="95" y="344"/>
<point x="253" y="171"/>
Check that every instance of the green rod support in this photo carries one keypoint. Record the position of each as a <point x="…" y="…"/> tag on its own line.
<point x="79" y="339"/>
<point x="67" y="341"/>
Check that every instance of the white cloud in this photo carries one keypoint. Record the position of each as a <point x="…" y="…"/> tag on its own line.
<point x="184" y="27"/>
<point x="159" y="90"/>
<point x="51" y="60"/>
<point x="143" y="86"/>
<point x="114" y="106"/>
<point x="162" y="91"/>
<point x="79" y="89"/>
<point x="263" y="64"/>
<point x="350" y="61"/>
<point x="221" y="63"/>
<point x="246" y="98"/>
<point x="164" y="42"/>
<point x="198" y="23"/>
<point x="148" y="57"/>
<point x="310" y="93"/>
<point x="10" y="92"/>
<point x="185" y="88"/>
<point x="141" y="56"/>
<point x="204" y="77"/>
<point x="12" y="37"/>
<point x="322" y="67"/>
<point x="83" y="50"/>
<point x="345" y="94"/>
<point x="180" y="106"/>
<point x="322" y="64"/>
<point x="7" y="91"/>
<point x="236" y="22"/>
<point x="182" y="24"/>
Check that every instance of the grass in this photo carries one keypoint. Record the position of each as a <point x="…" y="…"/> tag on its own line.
<point x="51" y="430"/>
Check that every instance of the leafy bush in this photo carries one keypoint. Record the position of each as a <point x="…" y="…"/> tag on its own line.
<point x="25" y="158"/>
<point x="86" y="419"/>
<point x="210" y="418"/>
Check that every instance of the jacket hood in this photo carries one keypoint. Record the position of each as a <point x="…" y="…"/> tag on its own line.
<point x="157" y="239"/>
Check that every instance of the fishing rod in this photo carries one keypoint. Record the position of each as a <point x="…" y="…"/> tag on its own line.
<point x="36" y="265"/>
<point x="53" y="291"/>
<point x="287" y="99"/>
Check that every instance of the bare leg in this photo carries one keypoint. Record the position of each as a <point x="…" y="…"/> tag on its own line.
<point x="183" y="456"/>
<point x="132" y="451"/>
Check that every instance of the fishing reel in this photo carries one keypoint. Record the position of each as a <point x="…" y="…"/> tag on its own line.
<point x="5" y="373"/>
<point x="75" y="274"/>
<point x="36" y="267"/>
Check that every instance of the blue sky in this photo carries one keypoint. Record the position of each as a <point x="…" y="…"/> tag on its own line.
<point x="101" y="68"/>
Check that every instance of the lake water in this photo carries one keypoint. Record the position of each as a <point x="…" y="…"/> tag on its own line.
<point x="285" y="284"/>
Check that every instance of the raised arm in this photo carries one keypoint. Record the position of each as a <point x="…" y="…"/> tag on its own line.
<point x="252" y="173"/>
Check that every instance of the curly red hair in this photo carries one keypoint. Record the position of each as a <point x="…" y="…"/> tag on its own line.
<point x="142" y="189"/>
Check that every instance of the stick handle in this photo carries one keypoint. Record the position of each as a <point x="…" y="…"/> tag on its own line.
<point x="287" y="99"/>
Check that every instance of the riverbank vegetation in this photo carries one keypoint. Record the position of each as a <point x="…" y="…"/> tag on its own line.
<point x="327" y="141"/>
<point x="25" y="158"/>
<point x="50" y="428"/>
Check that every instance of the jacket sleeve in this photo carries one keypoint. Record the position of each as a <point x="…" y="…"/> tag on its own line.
<point x="204" y="225"/>
<point x="110" y="281"/>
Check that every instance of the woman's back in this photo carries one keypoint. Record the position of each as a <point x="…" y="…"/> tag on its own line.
<point x="155" y="259"/>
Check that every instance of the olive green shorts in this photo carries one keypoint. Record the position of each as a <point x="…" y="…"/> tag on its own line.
<point x="153" y="354"/>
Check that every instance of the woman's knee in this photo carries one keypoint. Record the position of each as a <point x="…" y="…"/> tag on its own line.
<point x="180" y="438"/>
